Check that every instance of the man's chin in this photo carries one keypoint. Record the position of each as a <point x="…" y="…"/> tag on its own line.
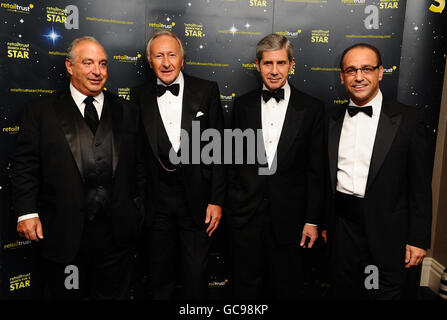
<point x="96" y="91"/>
<point x="360" y="101"/>
<point x="167" y="81"/>
<point x="274" y="86"/>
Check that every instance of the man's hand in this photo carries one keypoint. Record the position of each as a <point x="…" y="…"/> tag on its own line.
<point x="30" y="229"/>
<point x="213" y="216"/>
<point x="310" y="232"/>
<point x="413" y="256"/>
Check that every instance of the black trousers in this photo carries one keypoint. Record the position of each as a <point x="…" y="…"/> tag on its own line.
<point x="177" y="249"/>
<point x="351" y="257"/>
<point x="101" y="269"/>
<point x="261" y="267"/>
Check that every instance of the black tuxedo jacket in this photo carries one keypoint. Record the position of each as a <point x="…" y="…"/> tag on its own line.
<point x="47" y="175"/>
<point x="398" y="201"/>
<point x="204" y="184"/>
<point x="296" y="189"/>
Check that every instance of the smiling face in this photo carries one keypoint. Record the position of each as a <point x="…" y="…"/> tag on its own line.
<point x="274" y="68"/>
<point x="166" y="58"/>
<point x="88" y="68"/>
<point x="362" y="88"/>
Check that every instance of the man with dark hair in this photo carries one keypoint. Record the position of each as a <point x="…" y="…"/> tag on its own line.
<point x="379" y="188"/>
<point x="362" y="45"/>
<point x="272" y="217"/>
<point x="74" y="181"/>
<point x="186" y="198"/>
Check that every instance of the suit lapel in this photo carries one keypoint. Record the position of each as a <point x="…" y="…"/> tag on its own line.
<point x="334" y="132"/>
<point x="253" y="119"/>
<point x="115" y="109"/>
<point x="67" y="112"/>
<point x="253" y="115"/>
<point x="291" y="126"/>
<point x="387" y="127"/>
<point x="190" y="103"/>
<point x="149" y="108"/>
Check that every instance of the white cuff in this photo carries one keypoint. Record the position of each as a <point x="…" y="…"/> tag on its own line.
<point x="27" y="216"/>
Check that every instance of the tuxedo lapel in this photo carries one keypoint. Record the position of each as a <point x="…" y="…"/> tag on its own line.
<point x="149" y="108"/>
<point x="113" y="108"/>
<point x="190" y="103"/>
<point x="67" y="112"/>
<point x="253" y="119"/>
<point x="387" y="127"/>
<point x="253" y="115"/>
<point x="291" y="126"/>
<point x="335" y="126"/>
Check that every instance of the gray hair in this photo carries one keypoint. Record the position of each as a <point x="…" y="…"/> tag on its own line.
<point x="75" y="42"/>
<point x="159" y="33"/>
<point x="274" y="42"/>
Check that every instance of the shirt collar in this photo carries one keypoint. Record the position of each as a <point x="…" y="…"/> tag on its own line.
<point x="376" y="103"/>
<point x="79" y="97"/>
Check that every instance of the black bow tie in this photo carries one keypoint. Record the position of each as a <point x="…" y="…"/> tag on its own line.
<point x="352" y="110"/>
<point x="174" y="88"/>
<point x="278" y="95"/>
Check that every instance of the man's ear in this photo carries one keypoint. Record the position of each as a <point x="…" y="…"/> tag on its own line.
<point x="380" y="73"/>
<point x="258" y="65"/>
<point x="68" y="66"/>
<point x="291" y="64"/>
<point x="342" y="81"/>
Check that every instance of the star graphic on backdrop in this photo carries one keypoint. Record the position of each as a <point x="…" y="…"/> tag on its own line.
<point x="53" y="36"/>
<point x="233" y="29"/>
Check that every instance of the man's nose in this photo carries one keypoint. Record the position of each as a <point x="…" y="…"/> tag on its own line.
<point x="96" y="70"/>
<point x="165" y="62"/>
<point x="359" y="75"/>
<point x="274" y="69"/>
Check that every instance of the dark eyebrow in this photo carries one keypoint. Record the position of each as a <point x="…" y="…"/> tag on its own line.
<point x="270" y="61"/>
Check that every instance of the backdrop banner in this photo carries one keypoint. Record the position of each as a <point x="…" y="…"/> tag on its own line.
<point x="220" y="37"/>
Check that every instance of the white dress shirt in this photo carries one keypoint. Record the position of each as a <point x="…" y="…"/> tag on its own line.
<point x="170" y="107"/>
<point x="355" y="149"/>
<point x="273" y="114"/>
<point x="78" y="98"/>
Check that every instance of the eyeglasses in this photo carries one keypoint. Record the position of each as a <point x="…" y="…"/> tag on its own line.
<point x="365" y="70"/>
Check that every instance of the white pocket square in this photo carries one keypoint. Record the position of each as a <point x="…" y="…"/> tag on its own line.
<point x="199" y="114"/>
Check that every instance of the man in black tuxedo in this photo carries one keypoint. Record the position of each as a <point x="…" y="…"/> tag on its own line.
<point x="379" y="188"/>
<point x="271" y="215"/>
<point x="74" y="181"/>
<point x="186" y="198"/>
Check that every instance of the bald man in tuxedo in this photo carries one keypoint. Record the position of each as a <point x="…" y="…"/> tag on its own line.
<point x="74" y="179"/>
<point x="379" y="184"/>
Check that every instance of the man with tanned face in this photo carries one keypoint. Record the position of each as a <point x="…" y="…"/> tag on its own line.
<point x="379" y="184"/>
<point x="186" y="199"/>
<point x="272" y="218"/>
<point x="74" y="182"/>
